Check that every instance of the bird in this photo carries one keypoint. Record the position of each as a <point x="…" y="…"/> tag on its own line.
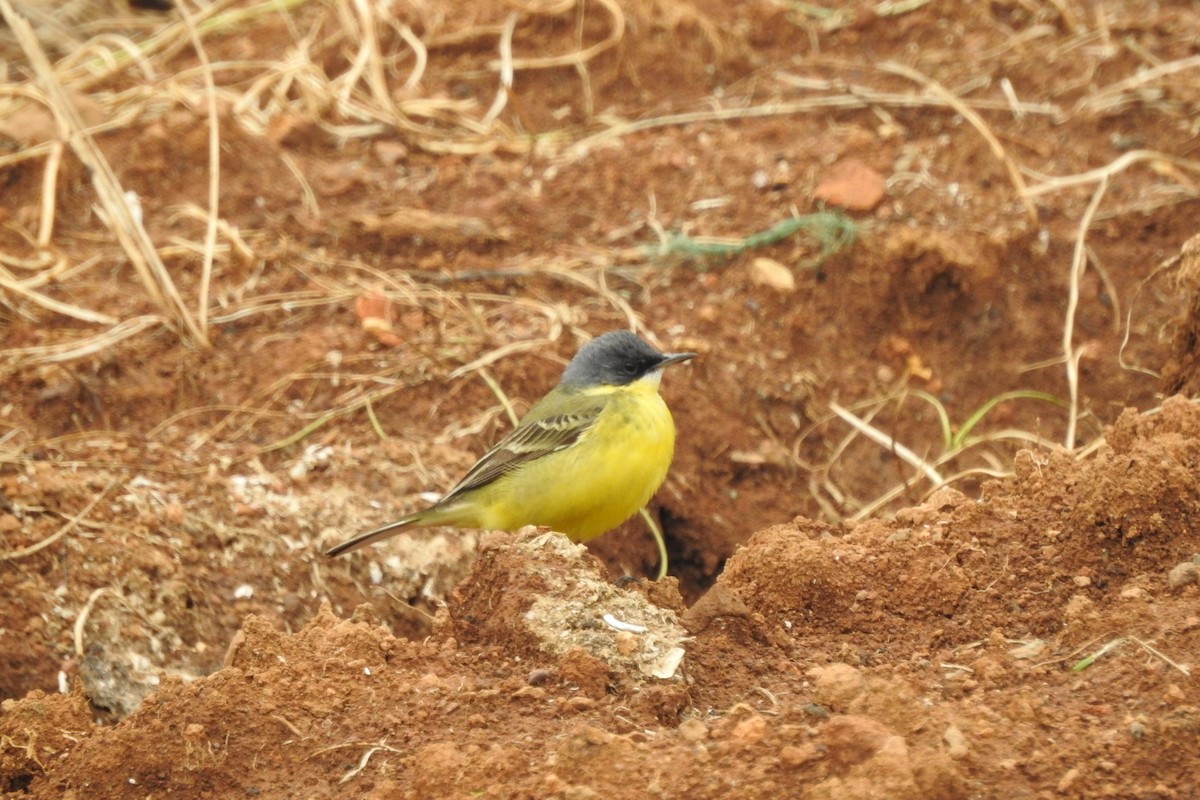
<point x="583" y="460"/>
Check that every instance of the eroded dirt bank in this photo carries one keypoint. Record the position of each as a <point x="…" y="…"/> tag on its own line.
<point x="939" y="655"/>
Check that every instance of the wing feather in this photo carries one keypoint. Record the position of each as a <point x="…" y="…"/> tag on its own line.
<point x="535" y="437"/>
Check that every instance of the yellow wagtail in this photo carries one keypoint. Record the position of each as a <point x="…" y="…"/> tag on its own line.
<point x="584" y="459"/>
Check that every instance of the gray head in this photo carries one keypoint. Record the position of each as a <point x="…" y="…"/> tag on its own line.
<point x="616" y="358"/>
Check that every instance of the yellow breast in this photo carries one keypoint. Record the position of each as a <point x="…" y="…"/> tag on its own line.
<point x="604" y="478"/>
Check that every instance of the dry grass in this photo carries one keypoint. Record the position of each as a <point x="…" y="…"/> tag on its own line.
<point x="359" y="101"/>
<point x="970" y="454"/>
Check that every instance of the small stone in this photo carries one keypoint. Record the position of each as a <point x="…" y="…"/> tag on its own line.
<point x="853" y="739"/>
<point x="956" y="743"/>
<point x="769" y="272"/>
<point x="852" y="185"/>
<point x="594" y="736"/>
<point x="530" y="692"/>
<point x="816" y="710"/>
<point x="626" y="643"/>
<point x="1082" y="581"/>
<point x="1068" y="779"/>
<point x="429" y="680"/>
<point x="836" y="685"/>
<point x="988" y="669"/>
<point x="1134" y="592"/>
<point x="1028" y="650"/>
<point x="1182" y="575"/>
<point x="1078" y="606"/>
<point x="9" y="523"/>
<point x="539" y="676"/>
<point x="389" y="152"/>
<point x="750" y="730"/>
<point x="580" y="704"/>
<point x="799" y="755"/>
<point x="693" y="730"/>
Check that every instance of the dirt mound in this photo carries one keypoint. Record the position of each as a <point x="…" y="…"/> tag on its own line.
<point x="1037" y="639"/>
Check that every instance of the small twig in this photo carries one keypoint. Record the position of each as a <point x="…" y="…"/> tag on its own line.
<point x="621" y="625"/>
<point x="1110" y="287"/>
<point x="84" y="613"/>
<point x="362" y="764"/>
<point x="1109" y="98"/>
<point x="317" y="423"/>
<point x="615" y="35"/>
<point x="285" y="722"/>
<point x="889" y="443"/>
<point x="581" y="67"/>
<point x="71" y="350"/>
<point x="1078" y="264"/>
<point x="1121" y="362"/>
<point x="497" y="354"/>
<point x="419" y="51"/>
<point x="500" y="395"/>
<point x="400" y="601"/>
<point x="214" y="168"/>
<point x="971" y="116"/>
<point x="9" y="282"/>
<point x="506" y="72"/>
<point x="1053" y="184"/>
<point x="659" y="542"/>
<point x="231" y="234"/>
<point x="49" y="187"/>
<point x="374" y="419"/>
<point x="63" y="531"/>
<point x="372" y="749"/>
<point x="1156" y="652"/>
<point x="307" y="196"/>
<point x="1108" y="647"/>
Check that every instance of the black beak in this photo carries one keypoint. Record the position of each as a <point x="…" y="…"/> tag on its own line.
<point x="675" y="358"/>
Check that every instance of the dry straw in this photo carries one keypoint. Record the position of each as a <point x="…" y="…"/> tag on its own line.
<point x="356" y="102"/>
<point x="122" y="219"/>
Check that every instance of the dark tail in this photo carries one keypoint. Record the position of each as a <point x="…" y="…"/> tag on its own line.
<point x="370" y="537"/>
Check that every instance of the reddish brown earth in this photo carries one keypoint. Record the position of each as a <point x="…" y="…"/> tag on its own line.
<point x="1029" y="630"/>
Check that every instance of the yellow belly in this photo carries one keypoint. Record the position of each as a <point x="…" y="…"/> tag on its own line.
<point x="600" y="481"/>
